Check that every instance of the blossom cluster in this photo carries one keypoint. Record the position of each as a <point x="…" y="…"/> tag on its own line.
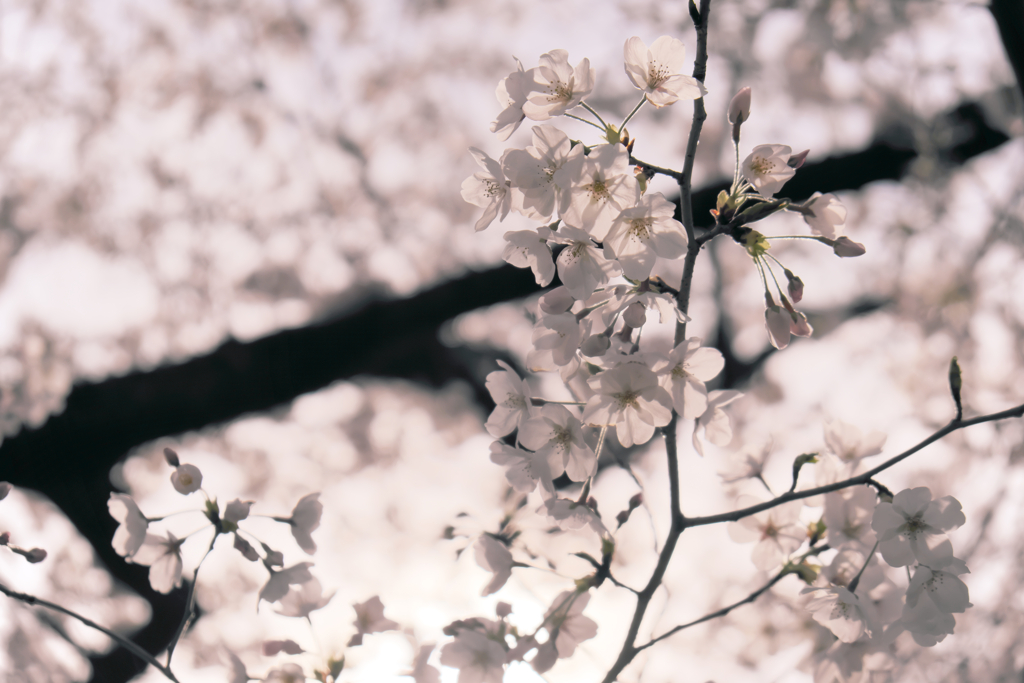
<point x="864" y="609"/>
<point x="294" y="589"/>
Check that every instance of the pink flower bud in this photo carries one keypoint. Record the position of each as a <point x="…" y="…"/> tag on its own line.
<point x="739" y="108"/>
<point x="795" y="287"/>
<point x="636" y="501"/>
<point x="847" y="248"/>
<point x="35" y="555"/>
<point x="171" y="457"/>
<point x="797" y="160"/>
<point x="186" y="479"/>
<point x="799" y="327"/>
<point x="777" y="322"/>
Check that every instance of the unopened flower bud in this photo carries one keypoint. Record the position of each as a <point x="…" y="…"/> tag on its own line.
<point x="637" y="500"/>
<point x="797" y="160"/>
<point x="186" y="479"/>
<point x="503" y="609"/>
<point x="171" y="457"/>
<point x="795" y="287"/>
<point x="635" y="315"/>
<point x="739" y="111"/>
<point x="35" y="555"/>
<point x="847" y="248"/>
<point x="595" y="345"/>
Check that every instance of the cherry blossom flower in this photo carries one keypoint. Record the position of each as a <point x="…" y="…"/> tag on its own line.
<point x="186" y="479"/>
<point x="766" y="168"/>
<point x="163" y="557"/>
<point x="236" y="511"/>
<point x="488" y="190"/>
<point x="529" y="249"/>
<point x="478" y="658"/>
<point x="131" y="532"/>
<point x="582" y="267"/>
<point x="511" y="396"/>
<point x="747" y="463"/>
<point x="277" y="585"/>
<point x="560" y="334"/>
<point x="941" y="585"/>
<point x="565" y="622"/>
<point x="555" y="301"/>
<point x="303" y="600"/>
<point x="642" y="234"/>
<point x="238" y="672"/>
<point x="557" y="435"/>
<point x="494" y="556"/>
<point x="912" y="527"/>
<point x="543" y="172"/>
<point x="511" y="94"/>
<point x="849" y="443"/>
<point x="777" y="322"/>
<point x="838" y="610"/>
<point x="605" y="186"/>
<point x="715" y="421"/>
<point x="688" y="367"/>
<point x="928" y="624"/>
<point x="629" y="397"/>
<point x="523" y="469"/>
<point x="370" y="619"/>
<point x="305" y="519"/>
<point x="556" y="87"/>
<point x="776" y="530"/>
<point x="656" y="71"/>
<point x="825" y="214"/>
<point x="570" y="515"/>
<point x="848" y="515"/>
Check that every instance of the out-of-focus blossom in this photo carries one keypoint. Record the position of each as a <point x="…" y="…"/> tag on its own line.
<point x="848" y="516"/>
<point x="570" y="515"/>
<point x="656" y="71"/>
<point x="273" y="647"/>
<point x="560" y="334"/>
<point x="556" y="87"/>
<point x="302" y="601"/>
<point x="478" y="658"/>
<point x="277" y="585"/>
<point x="715" y="421"/>
<point x="494" y="556"/>
<point x="489" y="190"/>
<point x="747" y="463"/>
<point x="186" y="479"/>
<point x="131" y="533"/>
<point x="766" y="168"/>
<point x="370" y="619"/>
<point x="511" y="94"/>
<point x="849" y="443"/>
<point x="163" y="557"/>
<point x="287" y="673"/>
<point x="422" y="672"/>
<point x="305" y="519"/>
<point x="776" y="530"/>
<point x="511" y="396"/>
<point x="838" y="610"/>
<point x="565" y="622"/>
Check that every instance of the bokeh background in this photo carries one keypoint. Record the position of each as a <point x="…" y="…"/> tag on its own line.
<point x="235" y="229"/>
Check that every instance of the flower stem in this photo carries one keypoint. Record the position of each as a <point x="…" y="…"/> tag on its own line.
<point x="852" y="586"/>
<point x="587" y="121"/>
<point x="594" y="112"/>
<point x="633" y="113"/>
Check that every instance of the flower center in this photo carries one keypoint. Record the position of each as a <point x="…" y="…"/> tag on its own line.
<point x="598" y="190"/>
<point x="640" y="228"/>
<point x="627" y="399"/>
<point x="656" y="74"/>
<point x="515" y="402"/>
<point x="762" y="166"/>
